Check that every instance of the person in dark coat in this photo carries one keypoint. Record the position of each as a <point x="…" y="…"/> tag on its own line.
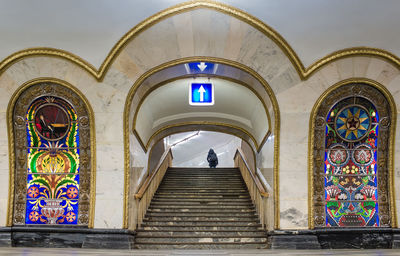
<point x="212" y="158"/>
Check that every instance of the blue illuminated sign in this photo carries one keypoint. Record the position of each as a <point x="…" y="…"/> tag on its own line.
<point x="201" y="67"/>
<point x="201" y="94"/>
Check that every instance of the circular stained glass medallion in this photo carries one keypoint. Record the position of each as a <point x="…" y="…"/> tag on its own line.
<point x="51" y="122"/>
<point x="352" y="123"/>
<point x="363" y="155"/>
<point x="338" y="155"/>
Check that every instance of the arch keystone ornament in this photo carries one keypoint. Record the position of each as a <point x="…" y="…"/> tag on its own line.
<point x="351" y="156"/>
<point x="51" y="142"/>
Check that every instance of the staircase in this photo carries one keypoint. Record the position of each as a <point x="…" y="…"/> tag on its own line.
<point x="201" y="208"/>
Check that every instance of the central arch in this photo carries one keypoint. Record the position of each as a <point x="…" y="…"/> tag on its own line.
<point x="255" y="83"/>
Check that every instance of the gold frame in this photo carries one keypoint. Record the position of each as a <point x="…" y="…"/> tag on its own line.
<point x="393" y="117"/>
<point x="240" y="66"/>
<point x="10" y="130"/>
<point x="99" y="74"/>
<point x="156" y="86"/>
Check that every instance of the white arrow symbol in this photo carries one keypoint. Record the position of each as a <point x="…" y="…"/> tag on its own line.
<point x="202" y="66"/>
<point x="201" y="91"/>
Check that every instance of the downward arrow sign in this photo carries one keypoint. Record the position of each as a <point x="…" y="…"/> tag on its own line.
<point x="201" y="91"/>
<point x="202" y="66"/>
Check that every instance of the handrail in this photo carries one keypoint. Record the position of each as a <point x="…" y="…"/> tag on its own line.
<point x="145" y="185"/>
<point x="148" y="189"/>
<point x="259" y="185"/>
<point x="258" y="195"/>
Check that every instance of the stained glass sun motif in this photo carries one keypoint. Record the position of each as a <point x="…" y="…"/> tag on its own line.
<point x="351" y="170"/>
<point x="352" y="123"/>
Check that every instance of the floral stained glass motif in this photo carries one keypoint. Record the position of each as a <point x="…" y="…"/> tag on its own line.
<point x="53" y="162"/>
<point x="351" y="172"/>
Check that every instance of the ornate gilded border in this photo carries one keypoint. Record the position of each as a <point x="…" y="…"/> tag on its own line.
<point x="391" y="150"/>
<point x="276" y="129"/>
<point x="99" y="74"/>
<point x="10" y="130"/>
<point x="148" y="92"/>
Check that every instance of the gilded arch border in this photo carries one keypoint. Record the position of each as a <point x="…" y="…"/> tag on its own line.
<point x="391" y="143"/>
<point x="99" y="74"/>
<point x="258" y="146"/>
<point x="11" y="142"/>
<point x="276" y="128"/>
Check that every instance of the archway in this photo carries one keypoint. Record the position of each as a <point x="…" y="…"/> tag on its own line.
<point x="351" y="156"/>
<point x="150" y="116"/>
<point x="52" y="161"/>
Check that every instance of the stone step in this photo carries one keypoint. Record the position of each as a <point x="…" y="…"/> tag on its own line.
<point x="210" y="233"/>
<point x="202" y="218"/>
<point x="181" y="228"/>
<point x="209" y="190"/>
<point x="200" y="223"/>
<point x="178" y="197"/>
<point x="187" y="208"/>
<point x="212" y="239"/>
<point x="219" y="194"/>
<point x="202" y="177"/>
<point x="196" y="214"/>
<point x="201" y="210"/>
<point x="157" y="199"/>
<point x="204" y="246"/>
<point x="208" y="203"/>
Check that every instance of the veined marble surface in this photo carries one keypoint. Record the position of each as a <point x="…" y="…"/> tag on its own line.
<point x="77" y="252"/>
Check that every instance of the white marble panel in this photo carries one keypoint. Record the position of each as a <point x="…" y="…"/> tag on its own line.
<point x="110" y="157"/>
<point x="345" y="68"/>
<point x="293" y="214"/>
<point x="109" y="127"/>
<point x="293" y="184"/>
<point x="210" y="32"/>
<point x="3" y="211"/>
<point x="109" y="184"/>
<point x="389" y="72"/>
<point x="294" y="128"/>
<point x="375" y="68"/>
<point x="293" y="157"/>
<point x="360" y="66"/>
<point x="184" y="32"/>
<point x="108" y="213"/>
<point x="301" y="97"/>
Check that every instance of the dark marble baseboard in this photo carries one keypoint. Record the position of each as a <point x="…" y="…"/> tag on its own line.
<point x="78" y="237"/>
<point x="66" y="237"/>
<point x="330" y="238"/>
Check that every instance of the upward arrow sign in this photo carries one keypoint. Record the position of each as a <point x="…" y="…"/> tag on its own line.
<point x="201" y="90"/>
<point x="202" y="66"/>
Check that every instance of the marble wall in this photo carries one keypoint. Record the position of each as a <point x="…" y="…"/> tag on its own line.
<point x="200" y="32"/>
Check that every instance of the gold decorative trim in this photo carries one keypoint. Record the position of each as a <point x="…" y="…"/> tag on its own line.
<point x="393" y="117"/>
<point x="184" y="7"/>
<point x="153" y="88"/>
<point x="99" y="74"/>
<point x="351" y="52"/>
<point x="276" y="129"/>
<point x="203" y="123"/>
<point x="10" y="130"/>
<point x="48" y="52"/>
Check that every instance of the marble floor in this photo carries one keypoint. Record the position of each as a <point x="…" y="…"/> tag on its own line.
<point x="92" y="252"/>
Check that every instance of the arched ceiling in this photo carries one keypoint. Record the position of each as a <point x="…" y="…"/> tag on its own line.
<point x="90" y="28"/>
<point x="235" y="105"/>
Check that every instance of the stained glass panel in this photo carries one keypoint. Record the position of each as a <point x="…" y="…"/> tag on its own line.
<point x="53" y="162"/>
<point x="351" y="172"/>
